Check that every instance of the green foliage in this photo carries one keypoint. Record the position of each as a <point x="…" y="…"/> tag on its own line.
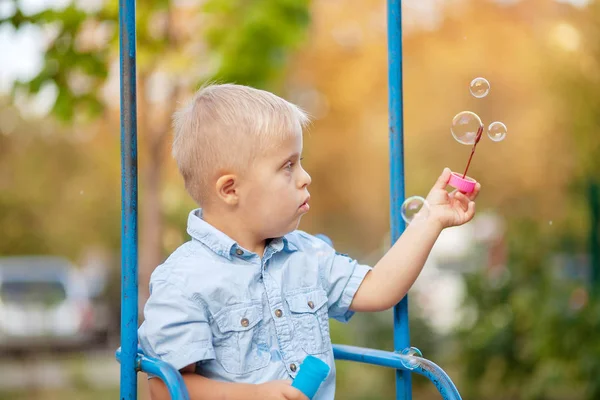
<point x="64" y="58"/>
<point x="533" y="334"/>
<point x="252" y="39"/>
<point x="532" y="331"/>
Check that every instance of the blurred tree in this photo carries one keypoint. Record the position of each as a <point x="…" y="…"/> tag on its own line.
<point x="341" y="77"/>
<point x="49" y="201"/>
<point x="576" y="74"/>
<point x="179" y="45"/>
<point x="531" y="330"/>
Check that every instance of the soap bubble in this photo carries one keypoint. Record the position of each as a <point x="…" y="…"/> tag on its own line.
<point x="465" y="126"/>
<point x="413" y="208"/>
<point x="497" y="131"/>
<point x="479" y="87"/>
<point x="413" y="362"/>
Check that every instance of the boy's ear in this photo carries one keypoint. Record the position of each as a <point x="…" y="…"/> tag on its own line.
<point x="227" y="189"/>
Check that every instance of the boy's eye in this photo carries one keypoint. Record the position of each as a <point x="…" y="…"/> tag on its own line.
<point x="290" y="164"/>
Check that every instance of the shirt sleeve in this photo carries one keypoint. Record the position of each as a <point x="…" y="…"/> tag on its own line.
<point x="175" y="328"/>
<point x="342" y="276"/>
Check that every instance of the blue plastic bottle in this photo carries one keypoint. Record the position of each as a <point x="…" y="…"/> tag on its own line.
<point x="312" y="373"/>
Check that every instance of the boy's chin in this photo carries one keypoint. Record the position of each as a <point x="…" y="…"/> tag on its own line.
<point x="285" y="230"/>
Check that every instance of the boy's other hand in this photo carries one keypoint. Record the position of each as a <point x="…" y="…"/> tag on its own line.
<point x="454" y="208"/>
<point x="279" y="390"/>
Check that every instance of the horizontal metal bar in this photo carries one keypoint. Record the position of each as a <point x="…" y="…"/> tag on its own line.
<point x="177" y="389"/>
<point x="421" y="366"/>
<point x="167" y="373"/>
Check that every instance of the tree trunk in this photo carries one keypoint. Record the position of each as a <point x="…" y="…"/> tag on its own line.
<point x="151" y="225"/>
<point x="156" y="130"/>
<point x="157" y="125"/>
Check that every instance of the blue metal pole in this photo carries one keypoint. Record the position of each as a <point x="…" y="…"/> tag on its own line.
<point x="396" y="136"/>
<point x="169" y="375"/>
<point x="129" y="226"/>
<point x="418" y="365"/>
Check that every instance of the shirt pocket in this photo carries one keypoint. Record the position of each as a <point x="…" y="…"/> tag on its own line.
<point x="308" y="311"/>
<point x="241" y="345"/>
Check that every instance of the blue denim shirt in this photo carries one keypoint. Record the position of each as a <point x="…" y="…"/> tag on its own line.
<point x="241" y="318"/>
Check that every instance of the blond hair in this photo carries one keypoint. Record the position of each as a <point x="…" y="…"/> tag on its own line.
<point x="225" y="128"/>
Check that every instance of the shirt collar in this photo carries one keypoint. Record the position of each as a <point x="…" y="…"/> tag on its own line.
<point x="225" y="246"/>
<point x="282" y="243"/>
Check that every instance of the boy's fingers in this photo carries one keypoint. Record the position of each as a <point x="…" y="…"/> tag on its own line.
<point x="295" y="394"/>
<point x="442" y="181"/>
<point x="463" y="200"/>
<point x="461" y="197"/>
<point x="471" y="209"/>
<point x="473" y="195"/>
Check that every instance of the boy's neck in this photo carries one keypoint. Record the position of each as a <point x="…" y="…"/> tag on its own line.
<point x="233" y="227"/>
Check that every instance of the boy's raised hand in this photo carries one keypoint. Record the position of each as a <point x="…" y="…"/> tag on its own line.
<point x="451" y="209"/>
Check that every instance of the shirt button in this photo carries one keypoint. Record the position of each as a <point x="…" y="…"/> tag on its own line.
<point x="278" y="313"/>
<point x="311" y="304"/>
<point x="293" y="367"/>
<point x="239" y="252"/>
<point x="245" y="322"/>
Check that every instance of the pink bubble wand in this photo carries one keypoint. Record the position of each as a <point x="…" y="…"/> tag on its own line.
<point x="479" y="132"/>
<point x="464" y="184"/>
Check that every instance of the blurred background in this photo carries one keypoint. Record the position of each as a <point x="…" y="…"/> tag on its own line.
<point x="507" y="304"/>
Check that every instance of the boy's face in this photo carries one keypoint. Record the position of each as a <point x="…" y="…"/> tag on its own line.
<point x="276" y="194"/>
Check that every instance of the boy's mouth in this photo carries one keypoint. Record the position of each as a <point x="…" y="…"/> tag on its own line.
<point x="304" y="206"/>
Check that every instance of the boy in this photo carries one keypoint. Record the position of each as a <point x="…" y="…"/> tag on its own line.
<point x="238" y="308"/>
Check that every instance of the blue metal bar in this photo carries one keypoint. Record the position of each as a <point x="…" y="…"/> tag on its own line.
<point x="169" y="375"/>
<point x="396" y="137"/>
<point x="166" y="372"/>
<point x="402" y="363"/>
<point x="129" y="226"/>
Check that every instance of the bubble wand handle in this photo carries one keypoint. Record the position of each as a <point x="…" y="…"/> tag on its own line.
<point x="312" y="373"/>
<point x="479" y="132"/>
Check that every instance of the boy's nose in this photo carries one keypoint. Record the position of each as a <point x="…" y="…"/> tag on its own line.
<point x="305" y="180"/>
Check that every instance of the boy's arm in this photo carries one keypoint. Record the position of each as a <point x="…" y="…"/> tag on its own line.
<point x="397" y="271"/>
<point x="201" y="388"/>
